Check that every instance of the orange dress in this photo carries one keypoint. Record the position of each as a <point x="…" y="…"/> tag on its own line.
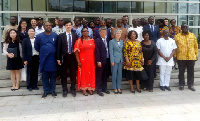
<point x="86" y="74"/>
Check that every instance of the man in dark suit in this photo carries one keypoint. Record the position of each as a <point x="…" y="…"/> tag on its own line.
<point x="102" y="60"/>
<point x="154" y="29"/>
<point x="65" y="45"/>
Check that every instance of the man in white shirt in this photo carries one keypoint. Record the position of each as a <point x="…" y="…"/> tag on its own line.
<point x="166" y="49"/>
<point x="39" y="29"/>
<point x="136" y="28"/>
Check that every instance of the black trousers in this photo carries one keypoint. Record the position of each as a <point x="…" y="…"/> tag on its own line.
<point x="182" y="65"/>
<point x="69" y="61"/>
<point x="148" y="84"/>
<point x="101" y="75"/>
<point x="32" y="72"/>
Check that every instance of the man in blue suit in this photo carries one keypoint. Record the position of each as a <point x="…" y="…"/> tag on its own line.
<point x="102" y="61"/>
<point x="45" y="44"/>
<point x="154" y="29"/>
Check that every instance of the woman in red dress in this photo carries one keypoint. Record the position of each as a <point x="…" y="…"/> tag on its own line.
<point x="84" y="49"/>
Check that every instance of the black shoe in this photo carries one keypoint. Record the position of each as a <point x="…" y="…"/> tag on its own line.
<point x="138" y="90"/>
<point x="54" y="94"/>
<point x="167" y="88"/>
<point x="133" y="91"/>
<point x="162" y="88"/>
<point x="44" y="95"/>
<point x="30" y="89"/>
<point x="36" y="88"/>
<point x="120" y="92"/>
<point x="73" y="93"/>
<point x="100" y="93"/>
<point x="18" y="88"/>
<point x="12" y="89"/>
<point x="181" y="88"/>
<point x="106" y="91"/>
<point x="191" y="88"/>
<point x="64" y="93"/>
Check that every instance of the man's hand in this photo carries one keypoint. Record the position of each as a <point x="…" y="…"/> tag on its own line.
<point x="99" y="64"/>
<point x="25" y="63"/>
<point x="149" y="62"/>
<point x="112" y="63"/>
<point x="58" y="61"/>
<point x="128" y="64"/>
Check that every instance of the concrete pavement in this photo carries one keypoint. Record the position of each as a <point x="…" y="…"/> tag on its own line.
<point x="156" y="106"/>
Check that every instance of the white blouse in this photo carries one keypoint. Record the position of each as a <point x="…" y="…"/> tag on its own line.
<point x="33" y="49"/>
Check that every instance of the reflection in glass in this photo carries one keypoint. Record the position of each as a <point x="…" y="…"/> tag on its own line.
<point x="95" y="7"/>
<point x="172" y="7"/>
<point x="182" y="7"/>
<point x="53" y="5"/>
<point x="124" y="7"/>
<point x="182" y="19"/>
<point x="80" y="6"/>
<point x="137" y="7"/>
<point x="195" y="31"/>
<point x="193" y="8"/>
<point x="109" y="7"/>
<point x="66" y="5"/>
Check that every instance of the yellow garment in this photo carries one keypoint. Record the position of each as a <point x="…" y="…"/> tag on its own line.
<point x="177" y="30"/>
<point x="134" y="52"/>
<point x="187" y="47"/>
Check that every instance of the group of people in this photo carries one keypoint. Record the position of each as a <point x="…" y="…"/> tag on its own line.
<point x="92" y="50"/>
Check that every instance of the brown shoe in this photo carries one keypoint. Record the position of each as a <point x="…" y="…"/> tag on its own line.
<point x="181" y="88"/>
<point x="191" y="88"/>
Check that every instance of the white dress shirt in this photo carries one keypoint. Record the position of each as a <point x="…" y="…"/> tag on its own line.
<point x="139" y="31"/>
<point x="38" y="31"/>
<point x="166" y="47"/>
<point x="33" y="49"/>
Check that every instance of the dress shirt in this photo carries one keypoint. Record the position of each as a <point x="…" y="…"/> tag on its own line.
<point x="105" y="43"/>
<point x="166" y="47"/>
<point x="78" y="32"/>
<point x="152" y="26"/>
<point x="139" y="31"/>
<point x="67" y="34"/>
<point x="38" y="31"/>
<point x="33" y="49"/>
<point x="58" y="30"/>
<point x="187" y="46"/>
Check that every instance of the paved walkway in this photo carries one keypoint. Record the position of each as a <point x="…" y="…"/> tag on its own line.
<point x="155" y="106"/>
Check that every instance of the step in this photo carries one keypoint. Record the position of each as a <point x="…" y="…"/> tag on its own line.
<point x="125" y="86"/>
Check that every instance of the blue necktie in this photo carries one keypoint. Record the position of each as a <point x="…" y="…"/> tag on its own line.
<point x="70" y="45"/>
<point x="152" y="28"/>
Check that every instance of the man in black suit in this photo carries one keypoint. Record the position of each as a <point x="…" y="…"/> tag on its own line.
<point x="154" y="29"/>
<point x="65" y="45"/>
<point x="102" y="60"/>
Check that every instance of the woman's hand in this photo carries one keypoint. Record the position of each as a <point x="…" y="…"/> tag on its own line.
<point x="10" y="55"/>
<point x="112" y="63"/>
<point x="128" y="64"/>
<point x="25" y="63"/>
<point x="143" y="61"/>
<point x="79" y="64"/>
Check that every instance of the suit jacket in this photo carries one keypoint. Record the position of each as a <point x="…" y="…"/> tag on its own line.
<point x="100" y="50"/>
<point x="62" y="44"/>
<point x="27" y="49"/>
<point x="116" y="51"/>
<point x="154" y="35"/>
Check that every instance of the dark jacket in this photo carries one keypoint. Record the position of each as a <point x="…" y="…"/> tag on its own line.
<point x="62" y="44"/>
<point x="155" y="35"/>
<point x="27" y="49"/>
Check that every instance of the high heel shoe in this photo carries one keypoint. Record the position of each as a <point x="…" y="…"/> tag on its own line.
<point x="120" y="92"/>
<point x="138" y="90"/>
<point x="85" y="93"/>
<point x="90" y="92"/>
<point x="132" y="91"/>
<point x="12" y="89"/>
<point x="18" y="88"/>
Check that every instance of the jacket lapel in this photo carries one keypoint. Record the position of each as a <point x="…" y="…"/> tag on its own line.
<point x="65" y="38"/>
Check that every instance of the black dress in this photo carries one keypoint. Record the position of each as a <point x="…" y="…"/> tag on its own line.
<point x="149" y="53"/>
<point x="22" y="35"/>
<point x="16" y="62"/>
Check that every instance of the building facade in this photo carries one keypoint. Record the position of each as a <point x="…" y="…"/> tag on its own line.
<point x="184" y="11"/>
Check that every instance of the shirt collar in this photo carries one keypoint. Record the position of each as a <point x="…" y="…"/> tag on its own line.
<point x="68" y="33"/>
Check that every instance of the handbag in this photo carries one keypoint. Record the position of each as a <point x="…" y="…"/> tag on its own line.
<point x="23" y="73"/>
<point x="13" y="50"/>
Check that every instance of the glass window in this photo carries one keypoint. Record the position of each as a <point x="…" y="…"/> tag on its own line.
<point x="39" y="5"/>
<point x="193" y="20"/>
<point x="124" y="7"/>
<point x="66" y="5"/>
<point x="182" y="19"/>
<point x="80" y="6"/>
<point x="148" y="7"/>
<point x="195" y="31"/>
<point x="172" y="7"/>
<point x="160" y="7"/>
<point x="24" y="5"/>
<point x="137" y="7"/>
<point x="109" y="7"/>
<point x="193" y="8"/>
<point x="11" y="5"/>
<point x="53" y="5"/>
<point x="182" y="7"/>
<point x="95" y="7"/>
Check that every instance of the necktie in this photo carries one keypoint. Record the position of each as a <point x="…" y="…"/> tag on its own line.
<point x="70" y="45"/>
<point x="151" y="28"/>
<point x="105" y="43"/>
